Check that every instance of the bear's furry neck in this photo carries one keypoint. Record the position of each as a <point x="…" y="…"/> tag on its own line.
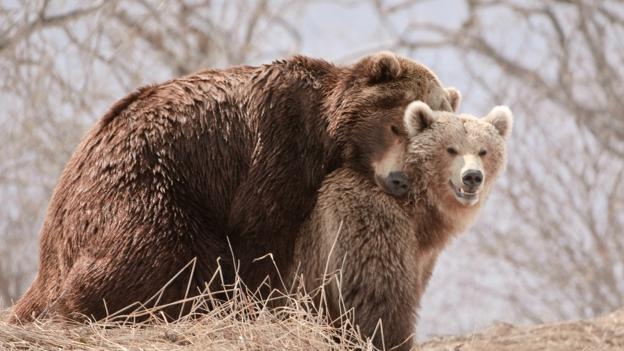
<point x="433" y="223"/>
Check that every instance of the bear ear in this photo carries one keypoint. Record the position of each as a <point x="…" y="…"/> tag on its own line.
<point x="502" y="119"/>
<point x="454" y="97"/>
<point x="381" y="67"/>
<point x="418" y="116"/>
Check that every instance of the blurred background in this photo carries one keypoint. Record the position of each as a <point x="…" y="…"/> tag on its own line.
<point x="549" y="244"/>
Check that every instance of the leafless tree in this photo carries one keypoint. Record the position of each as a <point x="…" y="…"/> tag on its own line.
<point x="554" y="233"/>
<point x="62" y="64"/>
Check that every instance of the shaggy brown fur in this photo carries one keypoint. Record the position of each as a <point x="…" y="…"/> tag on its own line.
<point x="175" y="170"/>
<point x="385" y="248"/>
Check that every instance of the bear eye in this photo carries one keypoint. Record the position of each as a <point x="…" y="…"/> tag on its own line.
<point x="482" y="153"/>
<point x="395" y="130"/>
<point x="451" y="151"/>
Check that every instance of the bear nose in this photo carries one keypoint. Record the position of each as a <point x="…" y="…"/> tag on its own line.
<point x="472" y="178"/>
<point x="397" y="183"/>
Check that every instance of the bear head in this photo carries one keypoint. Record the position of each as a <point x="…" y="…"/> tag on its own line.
<point x="370" y="99"/>
<point x="454" y="160"/>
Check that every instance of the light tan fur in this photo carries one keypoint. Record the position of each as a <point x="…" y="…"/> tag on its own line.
<point x="385" y="248"/>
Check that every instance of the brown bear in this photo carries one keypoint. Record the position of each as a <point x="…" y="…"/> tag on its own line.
<point x="211" y="165"/>
<point x="373" y="253"/>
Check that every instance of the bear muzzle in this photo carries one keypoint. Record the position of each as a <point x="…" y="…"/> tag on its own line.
<point x="471" y="183"/>
<point x="395" y="184"/>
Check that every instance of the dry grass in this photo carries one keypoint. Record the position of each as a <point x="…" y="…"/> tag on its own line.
<point x="247" y="323"/>
<point x="242" y="323"/>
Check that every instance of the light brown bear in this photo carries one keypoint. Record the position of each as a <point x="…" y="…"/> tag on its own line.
<point x="385" y="248"/>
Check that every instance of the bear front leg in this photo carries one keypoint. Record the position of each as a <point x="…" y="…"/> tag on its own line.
<point x="384" y="307"/>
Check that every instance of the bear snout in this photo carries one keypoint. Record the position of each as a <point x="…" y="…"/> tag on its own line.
<point x="472" y="178"/>
<point x="397" y="183"/>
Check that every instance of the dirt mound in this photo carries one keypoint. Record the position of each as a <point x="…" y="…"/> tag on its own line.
<point x="601" y="334"/>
